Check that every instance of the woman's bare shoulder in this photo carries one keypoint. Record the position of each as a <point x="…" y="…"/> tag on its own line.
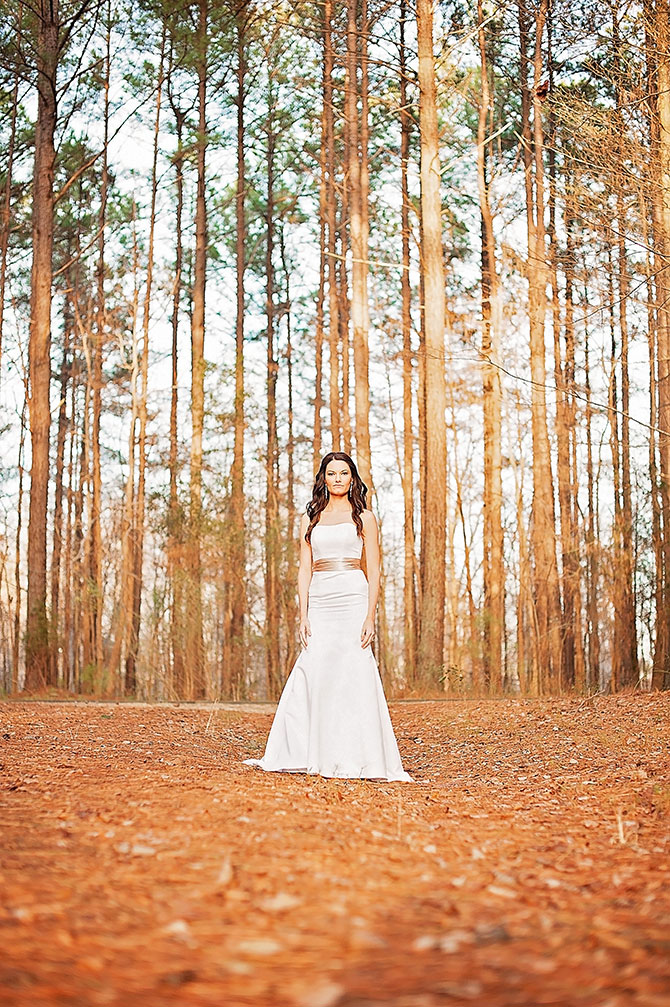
<point x="304" y="523"/>
<point x="368" y="519"/>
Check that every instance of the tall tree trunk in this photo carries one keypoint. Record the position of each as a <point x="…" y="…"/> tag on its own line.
<point x="625" y="651"/>
<point x="95" y="599"/>
<point x="615" y="448"/>
<point x="653" y="464"/>
<point x="344" y="316"/>
<point x="563" y="477"/>
<point x="572" y="576"/>
<point x="548" y="617"/>
<point x="358" y="196"/>
<point x="422" y="432"/>
<point x="81" y="678"/>
<point x="563" y="432"/>
<point x="195" y="647"/>
<point x="526" y="667"/>
<point x="56" y="552"/>
<point x="39" y="350"/>
<point x="363" y="62"/>
<point x="331" y="201"/>
<point x="68" y="565"/>
<point x="658" y="48"/>
<point x="175" y="518"/>
<point x="84" y="586"/>
<point x="320" y="299"/>
<point x="409" y="583"/>
<point x="235" y="663"/>
<point x="16" y="636"/>
<point x="454" y="622"/>
<point x="124" y="609"/>
<point x="289" y="606"/>
<point x="592" y="547"/>
<point x="494" y="578"/>
<point x="138" y="536"/>
<point x="363" y="406"/>
<point x="272" y="544"/>
<point x="474" y="655"/>
<point x="5" y="224"/>
<point x="646" y="216"/>
<point x="629" y="669"/>
<point x="431" y="640"/>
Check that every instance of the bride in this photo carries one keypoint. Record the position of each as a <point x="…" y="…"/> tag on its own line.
<point x="332" y="718"/>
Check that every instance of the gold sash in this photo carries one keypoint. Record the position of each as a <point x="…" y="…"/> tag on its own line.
<point x="320" y="565"/>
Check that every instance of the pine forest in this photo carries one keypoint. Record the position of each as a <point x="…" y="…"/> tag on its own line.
<point x="237" y="235"/>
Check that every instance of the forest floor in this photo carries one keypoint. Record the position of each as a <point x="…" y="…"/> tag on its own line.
<point x="142" y="863"/>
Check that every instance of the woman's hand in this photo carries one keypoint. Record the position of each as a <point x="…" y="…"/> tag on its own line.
<point x="367" y="632"/>
<point x="305" y="631"/>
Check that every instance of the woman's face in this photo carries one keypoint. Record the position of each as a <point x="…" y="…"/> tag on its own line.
<point x="338" y="478"/>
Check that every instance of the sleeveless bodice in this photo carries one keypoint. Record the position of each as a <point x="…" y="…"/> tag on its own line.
<point x="336" y="541"/>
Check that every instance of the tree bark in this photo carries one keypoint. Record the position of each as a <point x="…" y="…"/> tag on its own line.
<point x="647" y="217"/>
<point x="16" y="636"/>
<point x="473" y="650"/>
<point x="96" y="595"/>
<point x="69" y="539"/>
<point x="271" y="544"/>
<point x="289" y="606"/>
<point x="431" y="640"/>
<point x="572" y="576"/>
<point x="658" y="49"/>
<point x="409" y="583"/>
<point x="124" y="608"/>
<point x="592" y="546"/>
<point x="656" y="531"/>
<point x="195" y="646"/>
<point x="331" y="203"/>
<point x="526" y="667"/>
<point x="236" y="656"/>
<point x="494" y="577"/>
<point x="39" y="349"/>
<point x="81" y="679"/>
<point x="625" y="650"/>
<point x="422" y="432"/>
<point x="357" y="198"/>
<point x="177" y="677"/>
<point x="616" y="585"/>
<point x="139" y="513"/>
<point x="57" y="544"/>
<point x="5" y="226"/>
<point x="548" y="618"/>
<point x="344" y="317"/>
<point x="317" y="436"/>
<point x="563" y="431"/>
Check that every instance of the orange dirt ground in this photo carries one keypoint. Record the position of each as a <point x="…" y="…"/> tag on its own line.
<point x="142" y="863"/>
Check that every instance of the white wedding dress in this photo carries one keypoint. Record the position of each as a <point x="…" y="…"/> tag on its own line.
<point x="332" y="719"/>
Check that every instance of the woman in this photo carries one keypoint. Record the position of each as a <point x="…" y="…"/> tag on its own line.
<point x="332" y="718"/>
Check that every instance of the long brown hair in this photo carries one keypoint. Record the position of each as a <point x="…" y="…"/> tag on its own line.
<point x="358" y="492"/>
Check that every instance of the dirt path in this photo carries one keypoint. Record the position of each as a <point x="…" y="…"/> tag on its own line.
<point x="141" y="863"/>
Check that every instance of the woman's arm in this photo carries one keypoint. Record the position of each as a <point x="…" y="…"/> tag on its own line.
<point x="371" y="539"/>
<point x="304" y="580"/>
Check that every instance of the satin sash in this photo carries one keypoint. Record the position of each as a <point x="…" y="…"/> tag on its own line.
<point x="320" y="565"/>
